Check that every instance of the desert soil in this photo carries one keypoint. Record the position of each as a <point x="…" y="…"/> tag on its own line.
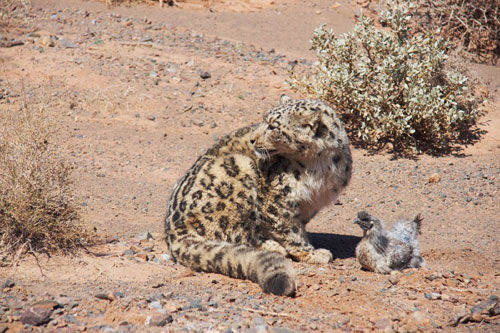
<point x="138" y="92"/>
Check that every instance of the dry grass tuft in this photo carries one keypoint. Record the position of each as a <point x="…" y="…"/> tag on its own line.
<point x="37" y="210"/>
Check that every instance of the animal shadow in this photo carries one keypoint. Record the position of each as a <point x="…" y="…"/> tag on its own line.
<point x="341" y="246"/>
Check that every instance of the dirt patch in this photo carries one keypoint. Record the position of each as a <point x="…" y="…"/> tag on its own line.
<point x="128" y="87"/>
<point x="235" y="5"/>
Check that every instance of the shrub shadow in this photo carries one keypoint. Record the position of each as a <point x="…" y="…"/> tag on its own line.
<point x="341" y="246"/>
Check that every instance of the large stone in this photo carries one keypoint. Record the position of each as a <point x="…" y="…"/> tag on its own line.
<point x="36" y="315"/>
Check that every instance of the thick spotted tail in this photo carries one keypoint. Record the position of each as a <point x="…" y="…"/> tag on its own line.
<point x="272" y="271"/>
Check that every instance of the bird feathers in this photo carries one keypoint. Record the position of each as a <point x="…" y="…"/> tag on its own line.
<point x="383" y="250"/>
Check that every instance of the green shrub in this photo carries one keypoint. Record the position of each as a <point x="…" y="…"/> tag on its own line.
<point x="37" y="211"/>
<point x="391" y="87"/>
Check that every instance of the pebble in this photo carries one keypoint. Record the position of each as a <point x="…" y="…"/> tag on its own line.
<point x="51" y="305"/>
<point x="434" y="178"/>
<point x="118" y="294"/>
<point x="144" y="236"/>
<point x="142" y="256"/>
<point x="343" y="321"/>
<point x="489" y="307"/>
<point x="161" y="321"/>
<point x="205" y="75"/>
<point x="44" y="41"/>
<point x="157" y="306"/>
<point x="68" y="44"/>
<point x="105" y="297"/>
<point x="70" y="319"/>
<point x="196" y="304"/>
<point x="432" y="296"/>
<point x="198" y="122"/>
<point x="146" y="39"/>
<point x="8" y="284"/>
<point x="418" y="321"/>
<point x="128" y="252"/>
<point x="383" y="324"/>
<point x="165" y="257"/>
<point x="394" y="278"/>
<point x="72" y="305"/>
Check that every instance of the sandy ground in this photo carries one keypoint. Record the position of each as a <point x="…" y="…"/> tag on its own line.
<point x="125" y="86"/>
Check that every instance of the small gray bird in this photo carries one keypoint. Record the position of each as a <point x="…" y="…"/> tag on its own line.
<point x="382" y="251"/>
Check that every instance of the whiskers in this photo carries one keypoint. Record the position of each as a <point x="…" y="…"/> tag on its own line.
<point x="262" y="153"/>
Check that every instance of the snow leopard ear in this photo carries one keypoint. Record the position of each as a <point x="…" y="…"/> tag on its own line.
<point x="284" y="98"/>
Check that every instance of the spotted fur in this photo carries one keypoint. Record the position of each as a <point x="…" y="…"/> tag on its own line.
<point x="244" y="204"/>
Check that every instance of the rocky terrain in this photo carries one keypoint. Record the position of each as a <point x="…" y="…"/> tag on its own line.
<point x="139" y="92"/>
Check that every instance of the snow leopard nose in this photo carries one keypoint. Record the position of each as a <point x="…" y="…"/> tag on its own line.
<point x="252" y="141"/>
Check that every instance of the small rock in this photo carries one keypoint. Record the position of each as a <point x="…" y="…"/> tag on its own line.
<point x="158" y="285"/>
<point x="434" y="178"/>
<point x="153" y="74"/>
<point x="8" y="284"/>
<point x="489" y="307"/>
<point x="36" y="316"/>
<point x="198" y="122"/>
<point x="63" y="300"/>
<point x="196" y="304"/>
<point x="73" y="305"/>
<point x="279" y="330"/>
<point x="142" y="256"/>
<point x="161" y="321"/>
<point x="205" y="75"/>
<point x="118" y="294"/>
<point x="383" y="324"/>
<point x="143" y="236"/>
<point x="105" y="297"/>
<point x="157" y="306"/>
<point x="165" y="257"/>
<point x="432" y="295"/>
<point x="44" y="41"/>
<point x="51" y="305"/>
<point x="70" y="319"/>
<point x="146" y="39"/>
<point x="394" y="278"/>
<point x="68" y="44"/>
<point x="151" y="117"/>
<point x="418" y="321"/>
<point x="434" y="276"/>
<point x="128" y="252"/>
<point x="342" y="321"/>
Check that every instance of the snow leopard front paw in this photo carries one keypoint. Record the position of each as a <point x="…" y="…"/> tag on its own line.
<point x="319" y="256"/>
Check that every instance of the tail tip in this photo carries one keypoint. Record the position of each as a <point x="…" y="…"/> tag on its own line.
<point x="280" y="284"/>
